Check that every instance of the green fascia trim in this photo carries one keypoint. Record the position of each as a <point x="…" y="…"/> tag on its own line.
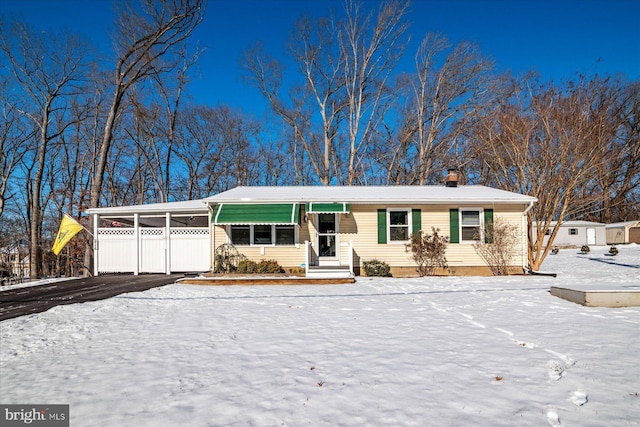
<point x="258" y="213"/>
<point x="326" y="207"/>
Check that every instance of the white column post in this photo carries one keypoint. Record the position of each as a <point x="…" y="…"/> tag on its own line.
<point x="351" y="257"/>
<point x="136" y="232"/>
<point x="168" y="243"/>
<point x="307" y="258"/>
<point x="212" y="239"/>
<point x="96" y="253"/>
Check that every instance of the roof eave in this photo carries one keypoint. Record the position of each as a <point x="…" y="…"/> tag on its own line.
<point x="412" y="201"/>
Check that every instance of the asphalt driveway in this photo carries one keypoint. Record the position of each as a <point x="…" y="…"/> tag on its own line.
<point x="35" y="299"/>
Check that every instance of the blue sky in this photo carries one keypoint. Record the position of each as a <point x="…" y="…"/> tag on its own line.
<point x="560" y="39"/>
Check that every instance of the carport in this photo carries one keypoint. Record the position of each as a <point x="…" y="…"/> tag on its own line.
<point x="154" y="238"/>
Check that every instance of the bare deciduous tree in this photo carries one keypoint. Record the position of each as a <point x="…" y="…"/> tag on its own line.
<point x="371" y="46"/>
<point x="48" y="69"/>
<point x="319" y="63"/>
<point x="343" y="69"/>
<point x="446" y="96"/>
<point x="13" y="141"/>
<point x="615" y="190"/>
<point x="433" y="109"/>
<point x="539" y="141"/>
<point x="143" y="41"/>
<point x="500" y="245"/>
<point x="195" y="150"/>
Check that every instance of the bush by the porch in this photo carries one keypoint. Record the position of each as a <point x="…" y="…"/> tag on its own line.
<point x="500" y="245"/>
<point x="377" y="268"/>
<point x="226" y="259"/>
<point x="429" y="251"/>
<point x="247" y="266"/>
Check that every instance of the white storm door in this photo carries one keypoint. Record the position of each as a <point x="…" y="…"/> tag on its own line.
<point x="327" y="239"/>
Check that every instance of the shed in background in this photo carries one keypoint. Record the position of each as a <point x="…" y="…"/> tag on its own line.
<point x="578" y="233"/>
<point x="623" y="232"/>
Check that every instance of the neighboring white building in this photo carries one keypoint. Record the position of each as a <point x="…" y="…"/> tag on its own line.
<point x="16" y="259"/>
<point x="578" y="233"/>
<point x="623" y="232"/>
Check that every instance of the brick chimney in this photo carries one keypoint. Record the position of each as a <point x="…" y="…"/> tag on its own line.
<point x="452" y="178"/>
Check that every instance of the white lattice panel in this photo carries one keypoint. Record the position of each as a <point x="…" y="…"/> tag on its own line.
<point x="190" y="231"/>
<point x="116" y="231"/>
<point x="144" y="232"/>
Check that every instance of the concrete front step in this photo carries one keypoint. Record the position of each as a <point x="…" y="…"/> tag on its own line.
<point x="328" y="272"/>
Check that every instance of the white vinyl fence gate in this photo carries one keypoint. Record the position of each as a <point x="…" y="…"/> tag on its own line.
<point x="120" y="250"/>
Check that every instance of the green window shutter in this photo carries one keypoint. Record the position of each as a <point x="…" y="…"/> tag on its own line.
<point x="416" y="220"/>
<point x="454" y="226"/>
<point x="382" y="226"/>
<point x="488" y="219"/>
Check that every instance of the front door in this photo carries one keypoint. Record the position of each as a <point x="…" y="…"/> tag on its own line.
<point x="327" y="236"/>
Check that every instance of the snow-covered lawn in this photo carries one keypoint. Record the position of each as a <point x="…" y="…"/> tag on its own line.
<point x="382" y="352"/>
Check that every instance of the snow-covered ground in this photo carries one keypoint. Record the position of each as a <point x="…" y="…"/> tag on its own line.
<point x="28" y="284"/>
<point x="381" y="352"/>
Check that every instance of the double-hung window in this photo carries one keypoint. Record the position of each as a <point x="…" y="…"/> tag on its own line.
<point x="467" y="225"/>
<point x="471" y="225"/>
<point x="262" y="235"/>
<point x="399" y="224"/>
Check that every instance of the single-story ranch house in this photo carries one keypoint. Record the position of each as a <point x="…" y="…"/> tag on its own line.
<point x="325" y="231"/>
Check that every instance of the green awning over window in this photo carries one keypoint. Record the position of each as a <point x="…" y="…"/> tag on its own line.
<point x="327" y="207"/>
<point x="258" y="213"/>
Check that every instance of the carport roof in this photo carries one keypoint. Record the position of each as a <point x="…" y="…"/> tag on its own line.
<point x="189" y="206"/>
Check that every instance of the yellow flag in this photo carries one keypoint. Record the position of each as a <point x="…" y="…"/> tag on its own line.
<point x="69" y="227"/>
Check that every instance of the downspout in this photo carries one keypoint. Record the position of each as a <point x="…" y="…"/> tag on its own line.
<point x="525" y="248"/>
